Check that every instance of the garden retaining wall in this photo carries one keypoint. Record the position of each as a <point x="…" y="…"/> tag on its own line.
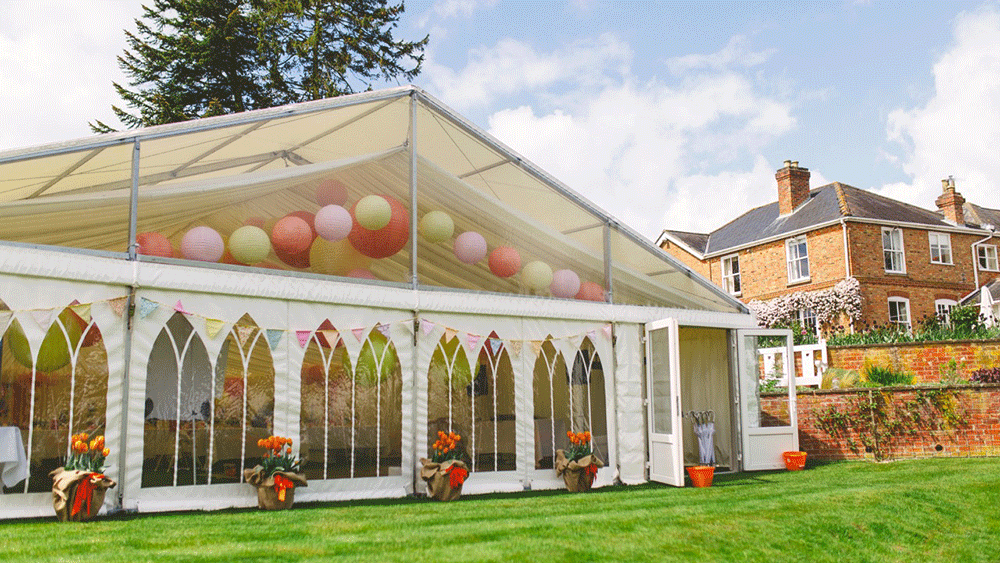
<point x="922" y="422"/>
<point x="930" y="362"/>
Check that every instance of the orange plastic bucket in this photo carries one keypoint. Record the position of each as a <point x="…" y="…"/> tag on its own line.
<point x="795" y="461"/>
<point x="701" y="475"/>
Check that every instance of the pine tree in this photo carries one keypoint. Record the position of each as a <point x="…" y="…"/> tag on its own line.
<point x="198" y="58"/>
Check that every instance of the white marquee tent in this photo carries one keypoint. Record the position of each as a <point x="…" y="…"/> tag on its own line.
<point x="118" y="320"/>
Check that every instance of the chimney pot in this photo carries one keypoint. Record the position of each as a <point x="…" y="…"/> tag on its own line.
<point x="788" y="164"/>
<point x="944" y="185"/>
<point x="795" y="164"/>
<point x="793" y="187"/>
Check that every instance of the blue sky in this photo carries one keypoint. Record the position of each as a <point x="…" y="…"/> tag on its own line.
<point x="668" y="114"/>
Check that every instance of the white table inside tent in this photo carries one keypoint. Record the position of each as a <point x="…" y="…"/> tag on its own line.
<point x="13" y="463"/>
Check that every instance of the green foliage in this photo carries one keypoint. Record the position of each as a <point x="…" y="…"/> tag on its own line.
<point x="881" y="376"/>
<point x="844" y="378"/>
<point x="199" y="58"/>
<point x="965" y="324"/>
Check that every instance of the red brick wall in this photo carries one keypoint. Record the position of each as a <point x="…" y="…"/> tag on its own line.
<point x="978" y="435"/>
<point x="930" y="362"/>
<point x="690" y="261"/>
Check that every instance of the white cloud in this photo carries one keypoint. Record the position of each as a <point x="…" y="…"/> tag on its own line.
<point x="628" y="145"/>
<point x="445" y="9"/>
<point x="58" y="61"/>
<point x="957" y="131"/>
<point x="735" y="53"/>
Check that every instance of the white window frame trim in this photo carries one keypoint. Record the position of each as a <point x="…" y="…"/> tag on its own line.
<point x="902" y="250"/>
<point x="909" y="315"/>
<point x="947" y="236"/>
<point x="947" y="316"/>
<point x="788" y="258"/>
<point x="996" y="257"/>
<point x="730" y="275"/>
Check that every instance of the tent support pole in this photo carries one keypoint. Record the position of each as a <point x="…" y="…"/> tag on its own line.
<point x="413" y="191"/>
<point x="608" y="295"/>
<point x="129" y="305"/>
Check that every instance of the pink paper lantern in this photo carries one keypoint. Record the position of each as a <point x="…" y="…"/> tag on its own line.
<point x="384" y="242"/>
<point x="361" y="274"/>
<point x="333" y="222"/>
<point x="291" y="235"/>
<point x="202" y="243"/>
<point x="154" y="244"/>
<point x="565" y="284"/>
<point x="590" y="291"/>
<point x="309" y="218"/>
<point x="331" y="192"/>
<point x="258" y="222"/>
<point x="470" y="247"/>
<point x="504" y="261"/>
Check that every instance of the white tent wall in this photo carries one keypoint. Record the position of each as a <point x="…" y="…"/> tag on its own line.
<point x="630" y="385"/>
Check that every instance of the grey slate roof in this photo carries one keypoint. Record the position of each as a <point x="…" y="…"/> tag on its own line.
<point x="826" y="203"/>
<point x="981" y="215"/>
<point x="973" y="298"/>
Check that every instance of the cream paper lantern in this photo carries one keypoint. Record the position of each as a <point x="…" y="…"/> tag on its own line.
<point x="537" y="275"/>
<point x="437" y="226"/>
<point x="373" y="212"/>
<point x="249" y="244"/>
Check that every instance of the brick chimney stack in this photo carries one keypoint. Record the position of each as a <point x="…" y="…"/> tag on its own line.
<point x="793" y="186"/>
<point x="950" y="202"/>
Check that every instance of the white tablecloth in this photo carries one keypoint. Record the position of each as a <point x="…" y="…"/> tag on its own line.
<point x="13" y="464"/>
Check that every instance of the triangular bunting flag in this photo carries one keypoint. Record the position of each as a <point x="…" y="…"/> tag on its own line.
<point x="591" y="334"/>
<point x="471" y="340"/>
<point x="331" y="337"/>
<point x="243" y="332"/>
<point x="179" y="307"/>
<point x="118" y="305"/>
<point x="515" y="347"/>
<point x="384" y="329"/>
<point x="576" y="340"/>
<point x="426" y="326"/>
<point x="74" y="302"/>
<point x="449" y="333"/>
<point x="274" y="337"/>
<point x="82" y="311"/>
<point x="146" y="307"/>
<point x="359" y="333"/>
<point x="303" y="336"/>
<point x="213" y="327"/>
<point x="495" y="344"/>
<point x="607" y="331"/>
<point x="43" y="317"/>
<point x="536" y="346"/>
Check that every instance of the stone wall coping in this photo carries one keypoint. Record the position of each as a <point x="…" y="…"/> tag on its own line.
<point x="914" y="344"/>
<point x="894" y="389"/>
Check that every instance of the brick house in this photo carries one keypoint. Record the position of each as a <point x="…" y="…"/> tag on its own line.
<point x="910" y="262"/>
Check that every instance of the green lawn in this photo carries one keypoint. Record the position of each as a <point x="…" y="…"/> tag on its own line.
<point x="931" y="510"/>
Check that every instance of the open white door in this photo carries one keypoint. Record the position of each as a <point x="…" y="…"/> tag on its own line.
<point x="770" y="426"/>
<point x="663" y="380"/>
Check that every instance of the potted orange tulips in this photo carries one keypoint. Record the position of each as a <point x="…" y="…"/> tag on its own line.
<point x="578" y="465"/>
<point x="445" y="472"/>
<point x="79" y="486"/>
<point x="277" y="475"/>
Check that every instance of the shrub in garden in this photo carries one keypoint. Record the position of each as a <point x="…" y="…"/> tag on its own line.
<point x="986" y="375"/>
<point x="880" y="376"/>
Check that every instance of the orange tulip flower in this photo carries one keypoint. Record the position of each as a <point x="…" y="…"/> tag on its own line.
<point x="106" y="452"/>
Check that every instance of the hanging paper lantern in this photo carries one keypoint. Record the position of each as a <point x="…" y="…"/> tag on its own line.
<point x="333" y="222"/>
<point x="154" y="244"/>
<point x="309" y="218"/>
<point x="376" y="352"/>
<point x="470" y="247"/>
<point x="590" y="291"/>
<point x="256" y="222"/>
<point x="291" y="235"/>
<point x="202" y="243"/>
<point x="299" y="260"/>
<point x="437" y="226"/>
<point x="249" y="245"/>
<point x="565" y="284"/>
<point x="373" y="212"/>
<point x="361" y="274"/>
<point x="55" y="352"/>
<point x="331" y="192"/>
<point x="336" y="258"/>
<point x="537" y="275"/>
<point x="388" y="240"/>
<point x="504" y="261"/>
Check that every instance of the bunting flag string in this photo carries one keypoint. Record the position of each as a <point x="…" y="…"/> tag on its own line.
<point x="43" y="317"/>
<point x="471" y="340"/>
<point x="515" y="347"/>
<point x="244" y="333"/>
<point x="274" y="337"/>
<point x="359" y="333"/>
<point x="331" y="337"/>
<point x="426" y="326"/>
<point x="146" y="307"/>
<point x="82" y="310"/>
<point x="118" y="305"/>
<point x="384" y="329"/>
<point x="495" y="344"/>
<point x="536" y="346"/>
<point x="179" y="307"/>
<point x="607" y="331"/>
<point x="303" y="337"/>
<point x="213" y="327"/>
<point x="449" y="334"/>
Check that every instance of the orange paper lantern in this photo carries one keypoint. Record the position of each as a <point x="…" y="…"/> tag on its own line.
<point x="505" y="261"/>
<point x="154" y="244"/>
<point x="590" y="291"/>
<point x="331" y="192"/>
<point x="388" y="240"/>
<point x="291" y="235"/>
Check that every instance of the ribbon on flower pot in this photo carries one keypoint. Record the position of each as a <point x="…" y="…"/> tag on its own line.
<point x="77" y="495"/>
<point x="456" y="476"/>
<point x="281" y="483"/>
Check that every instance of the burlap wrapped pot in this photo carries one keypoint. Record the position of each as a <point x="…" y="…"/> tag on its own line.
<point x="444" y="480"/>
<point x="269" y="497"/>
<point x="78" y="495"/>
<point x="578" y="475"/>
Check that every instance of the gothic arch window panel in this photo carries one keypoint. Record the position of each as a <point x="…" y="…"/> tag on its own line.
<point x="587" y="397"/>
<point x="178" y="411"/>
<point x="494" y="440"/>
<point x="243" y="391"/>
<point x="553" y="413"/>
<point x="377" y="406"/>
<point x="52" y="389"/>
<point x="449" y="395"/>
<point x="326" y="414"/>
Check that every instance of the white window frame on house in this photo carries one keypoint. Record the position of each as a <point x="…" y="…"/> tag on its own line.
<point x="940" y="244"/>
<point x="986" y="254"/>
<point x="807" y="318"/>
<point x="798" y="264"/>
<point x="894" y="315"/>
<point x="891" y="254"/>
<point x="943" y="307"/>
<point x="731" y="280"/>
